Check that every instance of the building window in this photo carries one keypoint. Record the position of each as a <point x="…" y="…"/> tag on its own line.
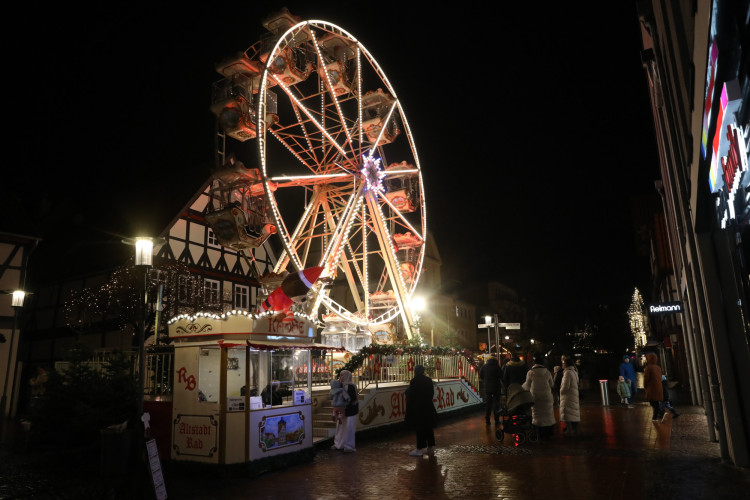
<point x="183" y="289"/>
<point x="211" y="289"/>
<point x="212" y="238"/>
<point x="241" y="297"/>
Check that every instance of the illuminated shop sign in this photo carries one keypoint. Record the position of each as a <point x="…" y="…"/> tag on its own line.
<point x="733" y="165"/>
<point x="713" y="55"/>
<point x="731" y="100"/>
<point x="665" y="308"/>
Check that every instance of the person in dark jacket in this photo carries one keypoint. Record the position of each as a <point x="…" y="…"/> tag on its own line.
<point x="627" y="371"/>
<point x="514" y="372"/>
<point x="421" y="414"/>
<point x="491" y="377"/>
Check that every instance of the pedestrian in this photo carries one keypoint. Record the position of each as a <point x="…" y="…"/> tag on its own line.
<point x="344" y="438"/>
<point x="623" y="390"/>
<point x="666" y="404"/>
<point x="570" y="411"/>
<point x="652" y="384"/>
<point x="627" y="371"/>
<point x="421" y="414"/>
<point x="539" y="382"/>
<point x="339" y="399"/>
<point x="557" y="380"/>
<point x="491" y="377"/>
<point x="514" y="372"/>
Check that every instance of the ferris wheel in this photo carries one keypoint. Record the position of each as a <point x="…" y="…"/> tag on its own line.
<point x="340" y="174"/>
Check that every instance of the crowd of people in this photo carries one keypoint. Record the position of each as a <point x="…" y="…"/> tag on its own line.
<point x="555" y="394"/>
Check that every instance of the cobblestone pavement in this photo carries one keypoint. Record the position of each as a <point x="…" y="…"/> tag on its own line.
<point x="619" y="454"/>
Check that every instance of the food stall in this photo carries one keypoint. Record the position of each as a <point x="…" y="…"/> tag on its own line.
<point x="242" y="385"/>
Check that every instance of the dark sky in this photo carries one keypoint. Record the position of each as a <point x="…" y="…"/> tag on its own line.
<point x="532" y="124"/>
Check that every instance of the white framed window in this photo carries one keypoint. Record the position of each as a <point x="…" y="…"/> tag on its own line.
<point x="211" y="290"/>
<point x="241" y="297"/>
<point x="211" y="238"/>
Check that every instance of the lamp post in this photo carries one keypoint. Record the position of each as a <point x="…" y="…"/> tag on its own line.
<point x="488" y="322"/>
<point x="16" y="303"/>
<point x="144" y="248"/>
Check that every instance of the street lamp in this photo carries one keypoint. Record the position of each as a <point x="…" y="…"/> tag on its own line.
<point x="144" y="249"/>
<point x="16" y="303"/>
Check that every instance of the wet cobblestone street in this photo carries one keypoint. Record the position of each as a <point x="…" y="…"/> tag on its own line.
<point x="619" y="454"/>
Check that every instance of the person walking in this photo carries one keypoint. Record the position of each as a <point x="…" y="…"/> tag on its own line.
<point x="570" y="411"/>
<point x="539" y="382"/>
<point x="666" y="404"/>
<point x="345" y="432"/>
<point x="652" y="383"/>
<point x="627" y="371"/>
<point x="421" y="414"/>
<point x="491" y="377"/>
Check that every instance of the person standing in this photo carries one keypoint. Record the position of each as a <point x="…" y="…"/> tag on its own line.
<point x="627" y="371"/>
<point x="421" y="414"/>
<point x="570" y="411"/>
<point x="539" y="382"/>
<point x="557" y="381"/>
<point x="514" y="372"/>
<point x="652" y="384"/>
<point x="491" y="378"/>
<point x="623" y="390"/>
<point x="345" y="432"/>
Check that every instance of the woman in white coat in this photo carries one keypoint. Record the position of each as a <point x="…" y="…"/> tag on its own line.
<point x="570" y="411"/>
<point x="539" y="382"/>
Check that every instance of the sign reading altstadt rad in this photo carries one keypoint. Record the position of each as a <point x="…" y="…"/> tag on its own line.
<point x="665" y="308"/>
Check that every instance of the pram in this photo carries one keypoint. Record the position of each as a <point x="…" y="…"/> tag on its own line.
<point x="515" y="416"/>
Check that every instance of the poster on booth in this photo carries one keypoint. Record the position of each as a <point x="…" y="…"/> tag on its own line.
<point x="388" y="405"/>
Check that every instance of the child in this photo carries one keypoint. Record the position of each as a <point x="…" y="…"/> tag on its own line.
<point x="340" y="398"/>
<point x="666" y="404"/>
<point x="623" y="389"/>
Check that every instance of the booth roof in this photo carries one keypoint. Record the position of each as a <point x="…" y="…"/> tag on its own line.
<point x="270" y="345"/>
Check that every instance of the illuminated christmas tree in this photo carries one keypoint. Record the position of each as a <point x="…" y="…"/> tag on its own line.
<point x="638" y="320"/>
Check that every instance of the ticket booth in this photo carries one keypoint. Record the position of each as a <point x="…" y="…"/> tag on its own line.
<point x="242" y="386"/>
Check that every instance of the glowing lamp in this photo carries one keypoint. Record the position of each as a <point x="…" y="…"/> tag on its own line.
<point x="17" y="300"/>
<point x="487" y="319"/>
<point x="144" y="248"/>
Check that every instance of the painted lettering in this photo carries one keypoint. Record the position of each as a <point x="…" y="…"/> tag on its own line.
<point x="445" y="399"/>
<point x="398" y="405"/>
<point x="189" y="380"/>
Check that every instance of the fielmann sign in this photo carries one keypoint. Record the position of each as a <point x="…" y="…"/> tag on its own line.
<point x="665" y="308"/>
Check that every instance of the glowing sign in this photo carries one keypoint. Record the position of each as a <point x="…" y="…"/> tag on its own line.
<point x="713" y="56"/>
<point x="665" y="308"/>
<point x="731" y="100"/>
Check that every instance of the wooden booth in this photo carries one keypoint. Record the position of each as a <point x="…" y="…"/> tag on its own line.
<point x="242" y="386"/>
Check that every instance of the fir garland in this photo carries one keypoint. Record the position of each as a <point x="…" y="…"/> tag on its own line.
<point x="358" y="359"/>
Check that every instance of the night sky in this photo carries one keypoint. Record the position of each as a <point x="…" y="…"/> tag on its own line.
<point x="532" y="124"/>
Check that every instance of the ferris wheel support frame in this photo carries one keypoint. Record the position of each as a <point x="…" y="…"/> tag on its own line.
<point x="397" y="281"/>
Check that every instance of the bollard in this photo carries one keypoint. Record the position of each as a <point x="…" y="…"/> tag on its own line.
<point x="605" y="392"/>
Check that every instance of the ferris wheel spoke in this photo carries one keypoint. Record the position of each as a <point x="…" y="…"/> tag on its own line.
<point x="309" y="115"/>
<point x="383" y="129"/>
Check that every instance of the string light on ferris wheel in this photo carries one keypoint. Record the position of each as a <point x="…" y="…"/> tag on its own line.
<point x="372" y="173"/>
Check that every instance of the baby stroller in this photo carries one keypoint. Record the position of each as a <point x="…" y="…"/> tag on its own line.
<point x="515" y="416"/>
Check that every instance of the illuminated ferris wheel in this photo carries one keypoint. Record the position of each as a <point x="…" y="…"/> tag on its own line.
<point x="338" y="165"/>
